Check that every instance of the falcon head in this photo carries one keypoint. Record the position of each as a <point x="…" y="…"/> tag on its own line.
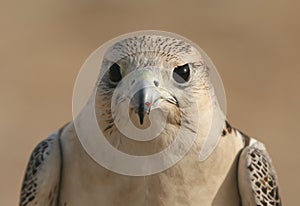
<point x="156" y="81"/>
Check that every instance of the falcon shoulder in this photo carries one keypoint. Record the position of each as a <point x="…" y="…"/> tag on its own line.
<point x="42" y="177"/>
<point x="258" y="183"/>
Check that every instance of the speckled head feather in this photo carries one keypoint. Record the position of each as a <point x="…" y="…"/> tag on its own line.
<point x="171" y="49"/>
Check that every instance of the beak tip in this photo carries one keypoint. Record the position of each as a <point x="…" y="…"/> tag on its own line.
<point x="141" y="117"/>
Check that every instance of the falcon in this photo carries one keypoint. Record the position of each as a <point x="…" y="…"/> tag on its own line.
<point x="154" y="88"/>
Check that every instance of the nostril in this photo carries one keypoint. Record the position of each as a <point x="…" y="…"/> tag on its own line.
<point x="156" y="83"/>
<point x="133" y="81"/>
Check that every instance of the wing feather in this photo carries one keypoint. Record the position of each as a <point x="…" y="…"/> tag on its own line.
<point x="257" y="177"/>
<point x="42" y="177"/>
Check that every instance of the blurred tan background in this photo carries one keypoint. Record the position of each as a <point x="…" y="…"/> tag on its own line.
<point x="254" y="44"/>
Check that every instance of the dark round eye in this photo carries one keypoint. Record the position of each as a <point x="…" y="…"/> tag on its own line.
<point x="181" y="74"/>
<point x="115" y="73"/>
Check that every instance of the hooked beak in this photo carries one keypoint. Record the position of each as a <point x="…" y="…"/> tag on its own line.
<point x="141" y="103"/>
<point x="147" y="95"/>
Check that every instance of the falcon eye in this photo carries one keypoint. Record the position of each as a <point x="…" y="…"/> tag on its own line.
<point x="115" y="73"/>
<point x="181" y="74"/>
